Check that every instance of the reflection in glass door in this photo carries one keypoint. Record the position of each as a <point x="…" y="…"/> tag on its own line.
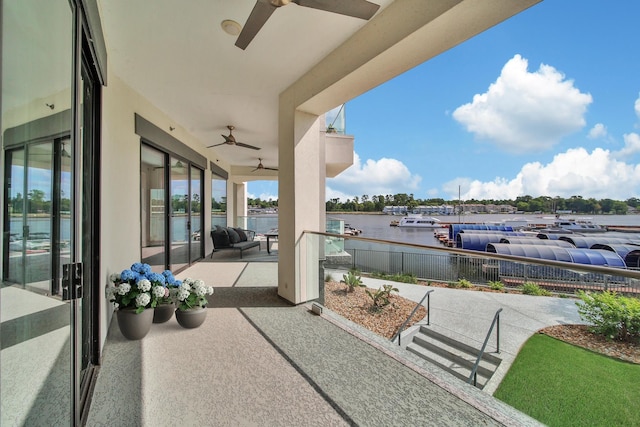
<point x="153" y="202"/>
<point x="196" y="215"/>
<point x="171" y="216"/>
<point x="180" y="218"/>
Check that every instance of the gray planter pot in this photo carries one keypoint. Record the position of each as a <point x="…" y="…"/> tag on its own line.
<point x="134" y="326"/>
<point x="191" y="318"/>
<point x="163" y="312"/>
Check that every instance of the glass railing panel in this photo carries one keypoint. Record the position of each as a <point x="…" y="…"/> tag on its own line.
<point x="448" y="266"/>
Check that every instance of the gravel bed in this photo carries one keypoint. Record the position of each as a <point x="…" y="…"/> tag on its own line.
<point x="357" y="306"/>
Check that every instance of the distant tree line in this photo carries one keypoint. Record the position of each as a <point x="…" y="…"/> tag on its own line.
<point x="543" y="204"/>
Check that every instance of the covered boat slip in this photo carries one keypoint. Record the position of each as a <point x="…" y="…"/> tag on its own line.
<point x="611" y="250"/>
<point x="556" y="253"/>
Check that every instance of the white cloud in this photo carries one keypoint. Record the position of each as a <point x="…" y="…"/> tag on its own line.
<point x="637" y="106"/>
<point x="575" y="172"/>
<point x="599" y="131"/>
<point x="523" y="111"/>
<point x="374" y="177"/>
<point x="631" y="146"/>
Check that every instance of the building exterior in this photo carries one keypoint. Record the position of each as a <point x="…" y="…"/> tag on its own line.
<point x="111" y="119"/>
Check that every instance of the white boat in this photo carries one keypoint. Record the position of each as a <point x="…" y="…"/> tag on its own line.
<point x="417" y="221"/>
<point x="582" y="225"/>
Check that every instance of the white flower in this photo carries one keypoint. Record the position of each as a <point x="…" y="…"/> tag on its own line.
<point x="185" y="286"/>
<point x="114" y="277"/>
<point x="183" y="294"/>
<point x="200" y="291"/>
<point x="158" y="291"/>
<point x="210" y="290"/>
<point x="143" y="299"/>
<point x="198" y="283"/>
<point x="144" y="285"/>
<point x="123" y="288"/>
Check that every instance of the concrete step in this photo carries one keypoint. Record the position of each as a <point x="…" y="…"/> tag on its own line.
<point x="453" y="356"/>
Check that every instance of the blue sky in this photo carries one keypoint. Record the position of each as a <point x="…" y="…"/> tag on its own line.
<point x="546" y="103"/>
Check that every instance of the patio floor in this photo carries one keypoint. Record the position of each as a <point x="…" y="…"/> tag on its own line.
<point x="257" y="360"/>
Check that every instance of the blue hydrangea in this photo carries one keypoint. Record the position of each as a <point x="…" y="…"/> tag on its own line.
<point x="127" y="275"/>
<point x="169" y="277"/>
<point x="140" y="268"/>
<point x="156" y="278"/>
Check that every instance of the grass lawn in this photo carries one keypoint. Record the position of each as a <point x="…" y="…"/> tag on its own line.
<point x="563" y="385"/>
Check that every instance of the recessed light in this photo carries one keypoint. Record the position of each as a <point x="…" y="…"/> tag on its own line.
<point x="231" y="27"/>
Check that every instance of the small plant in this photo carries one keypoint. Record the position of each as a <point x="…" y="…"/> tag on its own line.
<point x="496" y="285"/>
<point x="381" y="296"/>
<point x="613" y="316"/>
<point x="464" y="283"/>
<point x="328" y="278"/>
<point x="351" y="280"/>
<point x="398" y="277"/>
<point x="530" y="288"/>
<point x="453" y="285"/>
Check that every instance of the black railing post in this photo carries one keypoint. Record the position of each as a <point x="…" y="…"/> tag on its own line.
<point x="495" y="322"/>
<point x="404" y="324"/>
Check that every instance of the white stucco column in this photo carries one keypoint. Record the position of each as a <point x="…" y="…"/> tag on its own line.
<point x="236" y="202"/>
<point x="300" y="192"/>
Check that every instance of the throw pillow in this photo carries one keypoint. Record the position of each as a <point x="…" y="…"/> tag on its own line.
<point x="242" y="234"/>
<point x="233" y="235"/>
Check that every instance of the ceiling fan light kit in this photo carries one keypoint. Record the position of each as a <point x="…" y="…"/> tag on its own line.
<point x="231" y="27"/>
<point x="263" y="9"/>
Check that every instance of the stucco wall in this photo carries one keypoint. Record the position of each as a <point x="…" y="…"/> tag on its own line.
<point x="120" y="198"/>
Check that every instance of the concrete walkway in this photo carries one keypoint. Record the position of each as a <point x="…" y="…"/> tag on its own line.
<point x="257" y="360"/>
<point x="467" y="315"/>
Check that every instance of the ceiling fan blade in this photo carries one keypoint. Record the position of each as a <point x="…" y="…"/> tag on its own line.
<point x="215" y="145"/>
<point x="271" y="169"/>
<point x="259" y="15"/>
<point x="357" y="8"/>
<point x="241" y="144"/>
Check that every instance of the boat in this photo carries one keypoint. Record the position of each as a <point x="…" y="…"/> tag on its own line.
<point x="417" y="221"/>
<point x="351" y="231"/>
<point x="570" y="225"/>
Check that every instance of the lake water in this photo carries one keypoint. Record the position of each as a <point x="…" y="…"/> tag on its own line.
<point x="377" y="226"/>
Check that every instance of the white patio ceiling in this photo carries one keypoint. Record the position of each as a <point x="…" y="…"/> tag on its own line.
<point x="176" y="55"/>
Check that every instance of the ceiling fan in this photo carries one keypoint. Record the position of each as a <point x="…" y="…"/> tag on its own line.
<point x="231" y="140"/>
<point x="262" y="167"/>
<point x="264" y="8"/>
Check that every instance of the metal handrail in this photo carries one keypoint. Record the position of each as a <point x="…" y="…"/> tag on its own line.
<point x="397" y="334"/>
<point x="496" y="321"/>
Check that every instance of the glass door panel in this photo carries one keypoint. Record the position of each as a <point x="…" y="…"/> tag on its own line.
<point x="195" y="214"/>
<point x="153" y="194"/>
<point x="37" y="326"/>
<point x="180" y="227"/>
<point x="38" y="219"/>
<point x="15" y="248"/>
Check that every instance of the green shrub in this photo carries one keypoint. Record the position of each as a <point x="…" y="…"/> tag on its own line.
<point x="328" y="278"/>
<point x="398" y="277"/>
<point x="614" y="316"/>
<point x="453" y="285"/>
<point x="381" y="296"/>
<point x="464" y="283"/>
<point x="496" y="285"/>
<point x="351" y="280"/>
<point x="533" y="289"/>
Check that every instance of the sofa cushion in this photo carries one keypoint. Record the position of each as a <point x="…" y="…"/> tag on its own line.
<point x="242" y="234"/>
<point x="234" y="237"/>
<point x="220" y="238"/>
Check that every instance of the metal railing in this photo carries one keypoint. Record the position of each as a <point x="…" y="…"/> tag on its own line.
<point x="496" y="322"/>
<point x="404" y="324"/>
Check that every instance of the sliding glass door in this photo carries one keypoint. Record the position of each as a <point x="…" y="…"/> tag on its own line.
<point x="171" y="210"/>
